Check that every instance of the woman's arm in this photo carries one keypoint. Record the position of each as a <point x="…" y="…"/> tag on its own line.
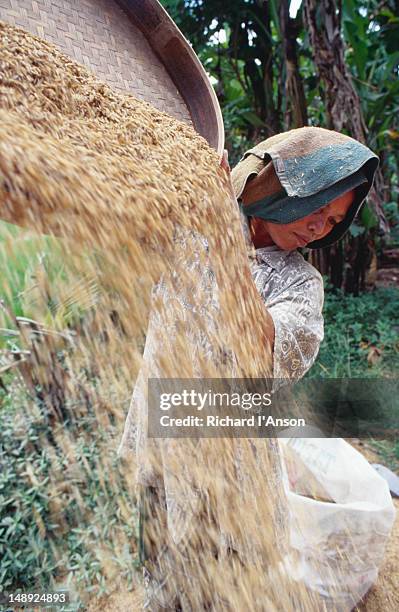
<point x="295" y="302"/>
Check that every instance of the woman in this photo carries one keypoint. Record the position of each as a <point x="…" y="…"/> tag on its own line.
<point x="301" y="188"/>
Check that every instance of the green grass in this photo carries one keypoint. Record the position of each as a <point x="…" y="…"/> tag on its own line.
<point x="388" y="452"/>
<point x="42" y="279"/>
<point x="60" y="506"/>
<point x="353" y="326"/>
<point x="21" y="252"/>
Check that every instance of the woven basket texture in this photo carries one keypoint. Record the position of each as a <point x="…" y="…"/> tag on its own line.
<point x="99" y="34"/>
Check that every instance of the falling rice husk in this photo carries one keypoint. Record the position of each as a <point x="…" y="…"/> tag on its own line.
<point x="118" y="183"/>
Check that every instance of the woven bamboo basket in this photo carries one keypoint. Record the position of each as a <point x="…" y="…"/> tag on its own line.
<point x="134" y="46"/>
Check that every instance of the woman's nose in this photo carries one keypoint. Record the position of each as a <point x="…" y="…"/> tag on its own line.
<point x="317" y="225"/>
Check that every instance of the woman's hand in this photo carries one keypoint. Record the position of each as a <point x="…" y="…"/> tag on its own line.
<point x="225" y="162"/>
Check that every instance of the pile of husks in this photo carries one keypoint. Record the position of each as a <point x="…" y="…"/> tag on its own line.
<point x="110" y="175"/>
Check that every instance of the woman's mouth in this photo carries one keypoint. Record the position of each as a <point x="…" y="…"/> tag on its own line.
<point x="302" y="241"/>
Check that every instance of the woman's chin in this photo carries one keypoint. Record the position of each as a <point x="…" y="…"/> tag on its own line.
<point x="288" y="245"/>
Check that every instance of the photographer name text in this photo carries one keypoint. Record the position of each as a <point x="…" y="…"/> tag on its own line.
<point x="260" y="420"/>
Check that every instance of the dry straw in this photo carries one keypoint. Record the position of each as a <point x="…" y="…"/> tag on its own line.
<point x="111" y="175"/>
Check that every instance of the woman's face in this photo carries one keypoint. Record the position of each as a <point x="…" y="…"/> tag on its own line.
<point x="290" y="236"/>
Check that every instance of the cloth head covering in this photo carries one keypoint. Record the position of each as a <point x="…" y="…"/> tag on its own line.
<point x="307" y="168"/>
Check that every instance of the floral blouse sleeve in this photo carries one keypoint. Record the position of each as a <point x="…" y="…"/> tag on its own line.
<point x="293" y="293"/>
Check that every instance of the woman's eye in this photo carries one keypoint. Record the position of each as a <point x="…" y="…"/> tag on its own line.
<point x="332" y="221"/>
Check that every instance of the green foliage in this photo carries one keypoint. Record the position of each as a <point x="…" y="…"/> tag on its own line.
<point x="361" y="335"/>
<point x="389" y="453"/>
<point x="391" y="210"/>
<point x="235" y="44"/>
<point x="370" y="30"/>
<point x="60" y="505"/>
<point x="39" y="282"/>
<point x="361" y="341"/>
<point x="20" y="253"/>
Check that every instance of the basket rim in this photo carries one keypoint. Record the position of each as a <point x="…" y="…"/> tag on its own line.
<point x="183" y="66"/>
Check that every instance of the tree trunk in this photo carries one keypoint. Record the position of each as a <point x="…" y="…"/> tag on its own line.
<point x="343" y="108"/>
<point x="323" y="20"/>
<point x="296" y="112"/>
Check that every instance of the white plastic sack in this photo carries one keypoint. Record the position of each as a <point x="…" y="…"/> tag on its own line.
<point x="342" y="515"/>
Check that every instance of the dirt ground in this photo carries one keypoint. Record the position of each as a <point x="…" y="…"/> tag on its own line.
<point x="383" y="597"/>
<point x="119" y="601"/>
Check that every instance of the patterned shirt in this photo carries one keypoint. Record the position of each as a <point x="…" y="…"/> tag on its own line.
<point x="292" y="290"/>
